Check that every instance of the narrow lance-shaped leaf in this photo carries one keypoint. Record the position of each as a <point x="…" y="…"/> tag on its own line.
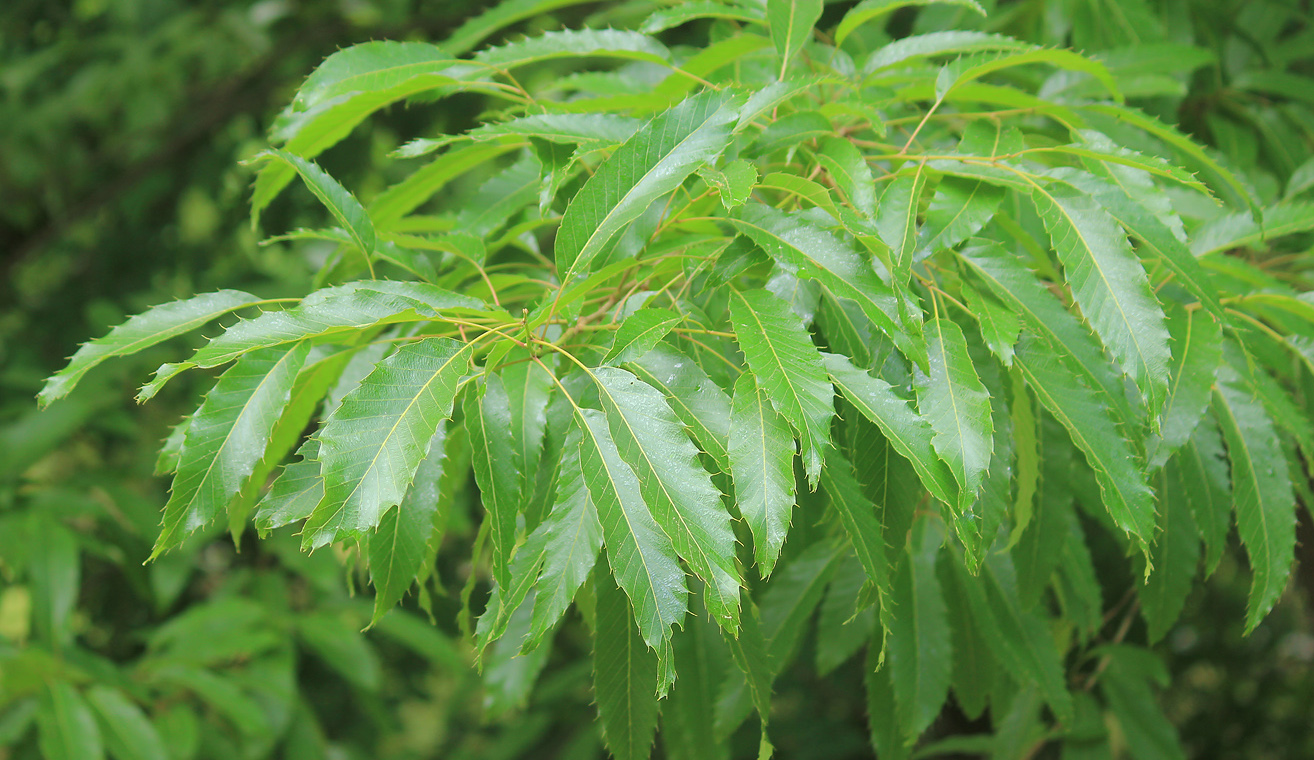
<point x="1261" y="491"/>
<point x="919" y="649"/>
<point x="1206" y="486"/>
<point x="653" y="162"/>
<point x="871" y="10"/>
<point x="858" y="515"/>
<point x="958" y="210"/>
<point x="952" y="398"/>
<point x="907" y="431"/>
<point x="371" y="445"/>
<point x="573" y="536"/>
<point x="640" y="554"/>
<point x="1122" y="484"/>
<point x="1110" y="285"/>
<point x="803" y="247"/>
<point x="896" y="219"/>
<point x="1197" y="352"/>
<point x="295" y="492"/>
<point x="674" y="485"/>
<point x="624" y="677"/>
<point x="639" y="333"/>
<point x="144" y="330"/>
<point x="529" y="387"/>
<point x="128" y="733"/>
<point x="1175" y="555"/>
<point x="699" y="402"/>
<point x="762" y="464"/>
<point x="67" y="728"/>
<point x="338" y="310"/>
<point x="341" y="204"/>
<point x="227" y="437"/>
<point x="848" y="167"/>
<point x="397" y="548"/>
<point x="781" y="354"/>
<point x="488" y="419"/>
<point x="791" y="23"/>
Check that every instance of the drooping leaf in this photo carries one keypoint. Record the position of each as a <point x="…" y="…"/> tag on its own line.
<point x="842" y="629"/>
<point x="1039" y="548"/>
<point x="957" y="406"/>
<point x="1126" y="687"/>
<point x="489" y="421"/>
<point x="781" y="355"/>
<point x="639" y="333"/>
<point x="624" y="677"/>
<point x="54" y="573"/>
<point x="1206" y="486"/>
<point x="1175" y="556"/>
<point x="688" y="714"/>
<point x="371" y="445"/>
<point x="907" y="432"/>
<point x="334" y="311"/>
<point x="802" y="247"/>
<point x="1197" y="351"/>
<point x="1000" y="326"/>
<point x="761" y="453"/>
<point x="882" y="714"/>
<point x="1261" y="491"/>
<point x="227" y="437"/>
<point x="153" y="326"/>
<point x="1111" y="286"/>
<point x="640" y="554"/>
<point x="860" y="520"/>
<point x="674" y="485"/>
<point x="919" y="653"/>
<point x="653" y="162"/>
<point x="397" y="547"/>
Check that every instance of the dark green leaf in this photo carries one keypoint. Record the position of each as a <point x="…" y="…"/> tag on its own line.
<point x="761" y="455"/>
<point x="624" y="677"/>
<point x="919" y="654"/>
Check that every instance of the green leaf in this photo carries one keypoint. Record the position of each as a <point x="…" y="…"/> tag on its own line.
<point x="1045" y="316"/>
<point x="624" y="677"/>
<point x="372" y="444"/>
<point x="1126" y="688"/>
<point x="389" y="206"/>
<point x="589" y="130"/>
<point x="860" y="520"/>
<point x="958" y="210"/>
<point x="489" y="421"/>
<point x="882" y="713"/>
<point x="699" y="403"/>
<point x="652" y="163"/>
<point x="227" y="438"/>
<point x="295" y="492"/>
<point x="572" y="537"/>
<point x="127" y="731"/>
<point x="640" y="554"/>
<point x="733" y="183"/>
<point x="1040" y="546"/>
<point x="529" y="387"/>
<point x="1117" y="471"/>
<point x="1175" y="556"/>
<point x="369" y="66"/>
<point x="334" y="312"/>
<point x="791" y="23"/>
<point x="848" y="168"/>
<point x="749" y="650"/>
<point x="1206" y="486"/>
<point x="674" y="485"/>
<point x="936" y="44"/>
<point x="668" y="18"/>
<point x="896" y="219"/>
<point x="1110" y="286"/>
<point x="974" y="666"/>
<point x="155" y="325"/>
<point x="639" y="333"/>
<point x="919" y="650"/>
<point x="397" y="548"/>
<point x="908" y="432"/>
<point x="340" y="645"/>
<point x="957" y="406"/>
<point x="1197" y="352"/>
<point x="54" y="572"/>
<point x="802" y="247"/>
<point x="842" y="628"/>
<point x="762" y="462"/>
<point x="780" y="353"/>
<point x="574" y="43"/>
<point x="497" y="17"/>
<point x="1000" y="326"/>
<point x="67" y="726"/>
<point x="341" y="204"/>
<point x="1261" y="491"/>
<point x="688" y="715"/>
<point x="871" y="10"/>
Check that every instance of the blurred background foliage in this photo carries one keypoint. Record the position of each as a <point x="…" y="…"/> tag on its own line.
<point x="122" y="127"/>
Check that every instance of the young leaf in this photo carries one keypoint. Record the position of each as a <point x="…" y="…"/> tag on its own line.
<point x="1110" y="285"/>
<point x="653" y="162"/>
<point x="791" y="23"/>
<point x="780" y="353"/>
<point x="919" y="651"/>
<point x="397" y="548"/>
<point x="334" y="311"/>
<point x="674" y="485"/>
<point x="371" y="445"/>
<point x="761" y="455"/>
<point x="529" y="387"/>
<point x="906" y="430"/>
<point x="1261" y="491"/>
<point x="489" y="422"/>
<point x="639" y="333"/>
<point x="155" y="325"/>
<point x="640" y="554"/>
<point x="952" y="398"/>
<point x="226" y="439"/>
